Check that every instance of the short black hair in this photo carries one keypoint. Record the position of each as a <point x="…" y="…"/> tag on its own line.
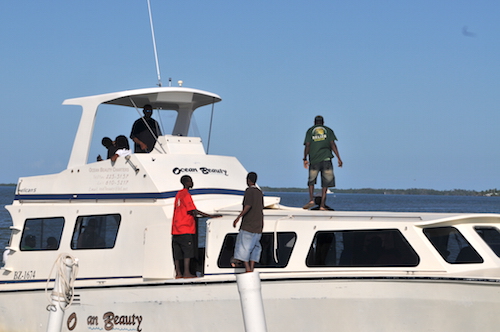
<point x="122" y="142"/>
<point x="252" y="176"/>
<point x="185" y="179"/>
<point x="107" y="142"/>
<point x="318" y="119"/>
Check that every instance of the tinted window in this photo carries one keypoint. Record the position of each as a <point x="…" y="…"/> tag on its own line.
<point x="491" y="236"/>
<point x="42" y="234"/>
<point x="269" y="257"/>
<point x="452" y="245"/>
<point x="361" y="249"/>
<point x="96" y="232"/>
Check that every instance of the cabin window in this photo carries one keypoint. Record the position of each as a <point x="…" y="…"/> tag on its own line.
<point x="269" y="257"/>
<point x="452" y="245"/>
<point x="491" y="236"/>
<point x="96" y="232"/>
<point x="42" y="234"/>
<point x="364" y="248"/>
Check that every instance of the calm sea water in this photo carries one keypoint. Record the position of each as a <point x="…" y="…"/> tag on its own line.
<point x="340" y="202"/>
<point x="6" y="197"/>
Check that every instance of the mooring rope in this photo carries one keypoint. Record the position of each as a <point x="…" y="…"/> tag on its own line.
<point x="67" y="293"/>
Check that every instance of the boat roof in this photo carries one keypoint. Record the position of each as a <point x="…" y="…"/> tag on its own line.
<point x="183" y="100"/>
<point x="168" y="98"/>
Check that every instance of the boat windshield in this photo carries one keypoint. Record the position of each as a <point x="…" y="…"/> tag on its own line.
<point x="111" y="121"/>
<point x="98" y="122"/>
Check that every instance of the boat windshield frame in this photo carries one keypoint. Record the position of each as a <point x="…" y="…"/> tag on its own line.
<point x="183" y="100"/>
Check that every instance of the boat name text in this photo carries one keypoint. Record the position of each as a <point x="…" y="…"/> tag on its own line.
<point x="203" y="170"/>
<point x="107" y="169"/>
<point x="111" y="320"/>
<point x="27" y="190"/>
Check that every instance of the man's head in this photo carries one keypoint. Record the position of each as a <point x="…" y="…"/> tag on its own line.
<point x="186" y="181"/>
<point x="107" y="142"/>
<point x="318" y="120"/>
<point x="251" y="178"/>
<point x="122" y="142"/>
<point x="148" y="110"/>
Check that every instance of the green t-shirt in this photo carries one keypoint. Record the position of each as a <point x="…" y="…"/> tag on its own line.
<point x="320" y="137"/>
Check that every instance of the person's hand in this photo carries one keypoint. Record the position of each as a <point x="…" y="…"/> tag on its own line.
<point x="340" y="163"/>
<point x="306" y="164"/>
<point x="143" y="146"/>
<point x="235" y="222"/>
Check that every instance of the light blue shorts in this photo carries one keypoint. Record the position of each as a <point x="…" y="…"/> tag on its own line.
<point x="248" y="246"/>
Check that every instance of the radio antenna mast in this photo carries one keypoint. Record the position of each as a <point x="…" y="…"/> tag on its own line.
<point x="154" y="44"/>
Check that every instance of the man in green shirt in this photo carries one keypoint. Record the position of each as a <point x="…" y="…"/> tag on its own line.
<point x="319" y="144"/>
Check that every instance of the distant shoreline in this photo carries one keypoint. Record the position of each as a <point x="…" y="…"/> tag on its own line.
<point x="412" y="191"/>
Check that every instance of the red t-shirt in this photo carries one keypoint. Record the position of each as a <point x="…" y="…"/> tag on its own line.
<point x="183" y="222"/>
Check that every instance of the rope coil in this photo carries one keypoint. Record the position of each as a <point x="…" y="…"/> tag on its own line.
<point x="66" y="294"/>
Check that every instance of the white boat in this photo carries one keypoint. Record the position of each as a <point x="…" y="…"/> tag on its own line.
<point x="320" y="270"/>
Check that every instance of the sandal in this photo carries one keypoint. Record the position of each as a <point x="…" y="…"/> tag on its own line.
<point x="308" y="205"/>
<point x="236" y="262"/>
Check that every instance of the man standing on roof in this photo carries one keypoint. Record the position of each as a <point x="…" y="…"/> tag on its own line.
<point x="184" y="228"/>
<point x="319" y="144"/>
<point x="145" y="131"/>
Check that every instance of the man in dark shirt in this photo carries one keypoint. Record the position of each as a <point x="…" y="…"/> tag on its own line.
<point x="248" y="248"/>
<point x="318" y="146"/>
<point x="145" y="131"/>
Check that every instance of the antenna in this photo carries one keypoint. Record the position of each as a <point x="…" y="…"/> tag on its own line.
<point x="154" y="44"/>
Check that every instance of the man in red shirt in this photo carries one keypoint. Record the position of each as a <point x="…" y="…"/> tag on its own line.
<point x="184" y="228"/>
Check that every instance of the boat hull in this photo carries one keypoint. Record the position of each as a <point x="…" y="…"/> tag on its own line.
<point x="319" y="304"/>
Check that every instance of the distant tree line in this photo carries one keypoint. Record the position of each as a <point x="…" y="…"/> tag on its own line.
<point x="412" y="191"/>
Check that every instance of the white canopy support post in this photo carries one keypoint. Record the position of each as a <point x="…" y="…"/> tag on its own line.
<point x="251" y="301"/>
<point x="62" y="294"/>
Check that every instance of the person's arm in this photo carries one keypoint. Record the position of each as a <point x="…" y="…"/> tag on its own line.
<point x="203" y="214"/>
<point x="246" y="208"/>
<point x="307" y="146"/>
<point x="333" y="146"/>
<point x="143" y="146"/>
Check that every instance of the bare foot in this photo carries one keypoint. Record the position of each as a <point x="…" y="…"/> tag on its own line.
<point x="189" y="276"/>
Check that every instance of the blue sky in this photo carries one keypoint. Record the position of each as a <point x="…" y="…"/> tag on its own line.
<point x="411" y="88"/>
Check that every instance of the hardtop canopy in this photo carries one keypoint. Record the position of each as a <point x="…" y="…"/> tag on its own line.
<point x="183" y="100"/>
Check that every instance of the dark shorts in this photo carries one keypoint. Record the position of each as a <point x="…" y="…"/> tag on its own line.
<point x="183" y="246"/>
<point x="327" y="177"/>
